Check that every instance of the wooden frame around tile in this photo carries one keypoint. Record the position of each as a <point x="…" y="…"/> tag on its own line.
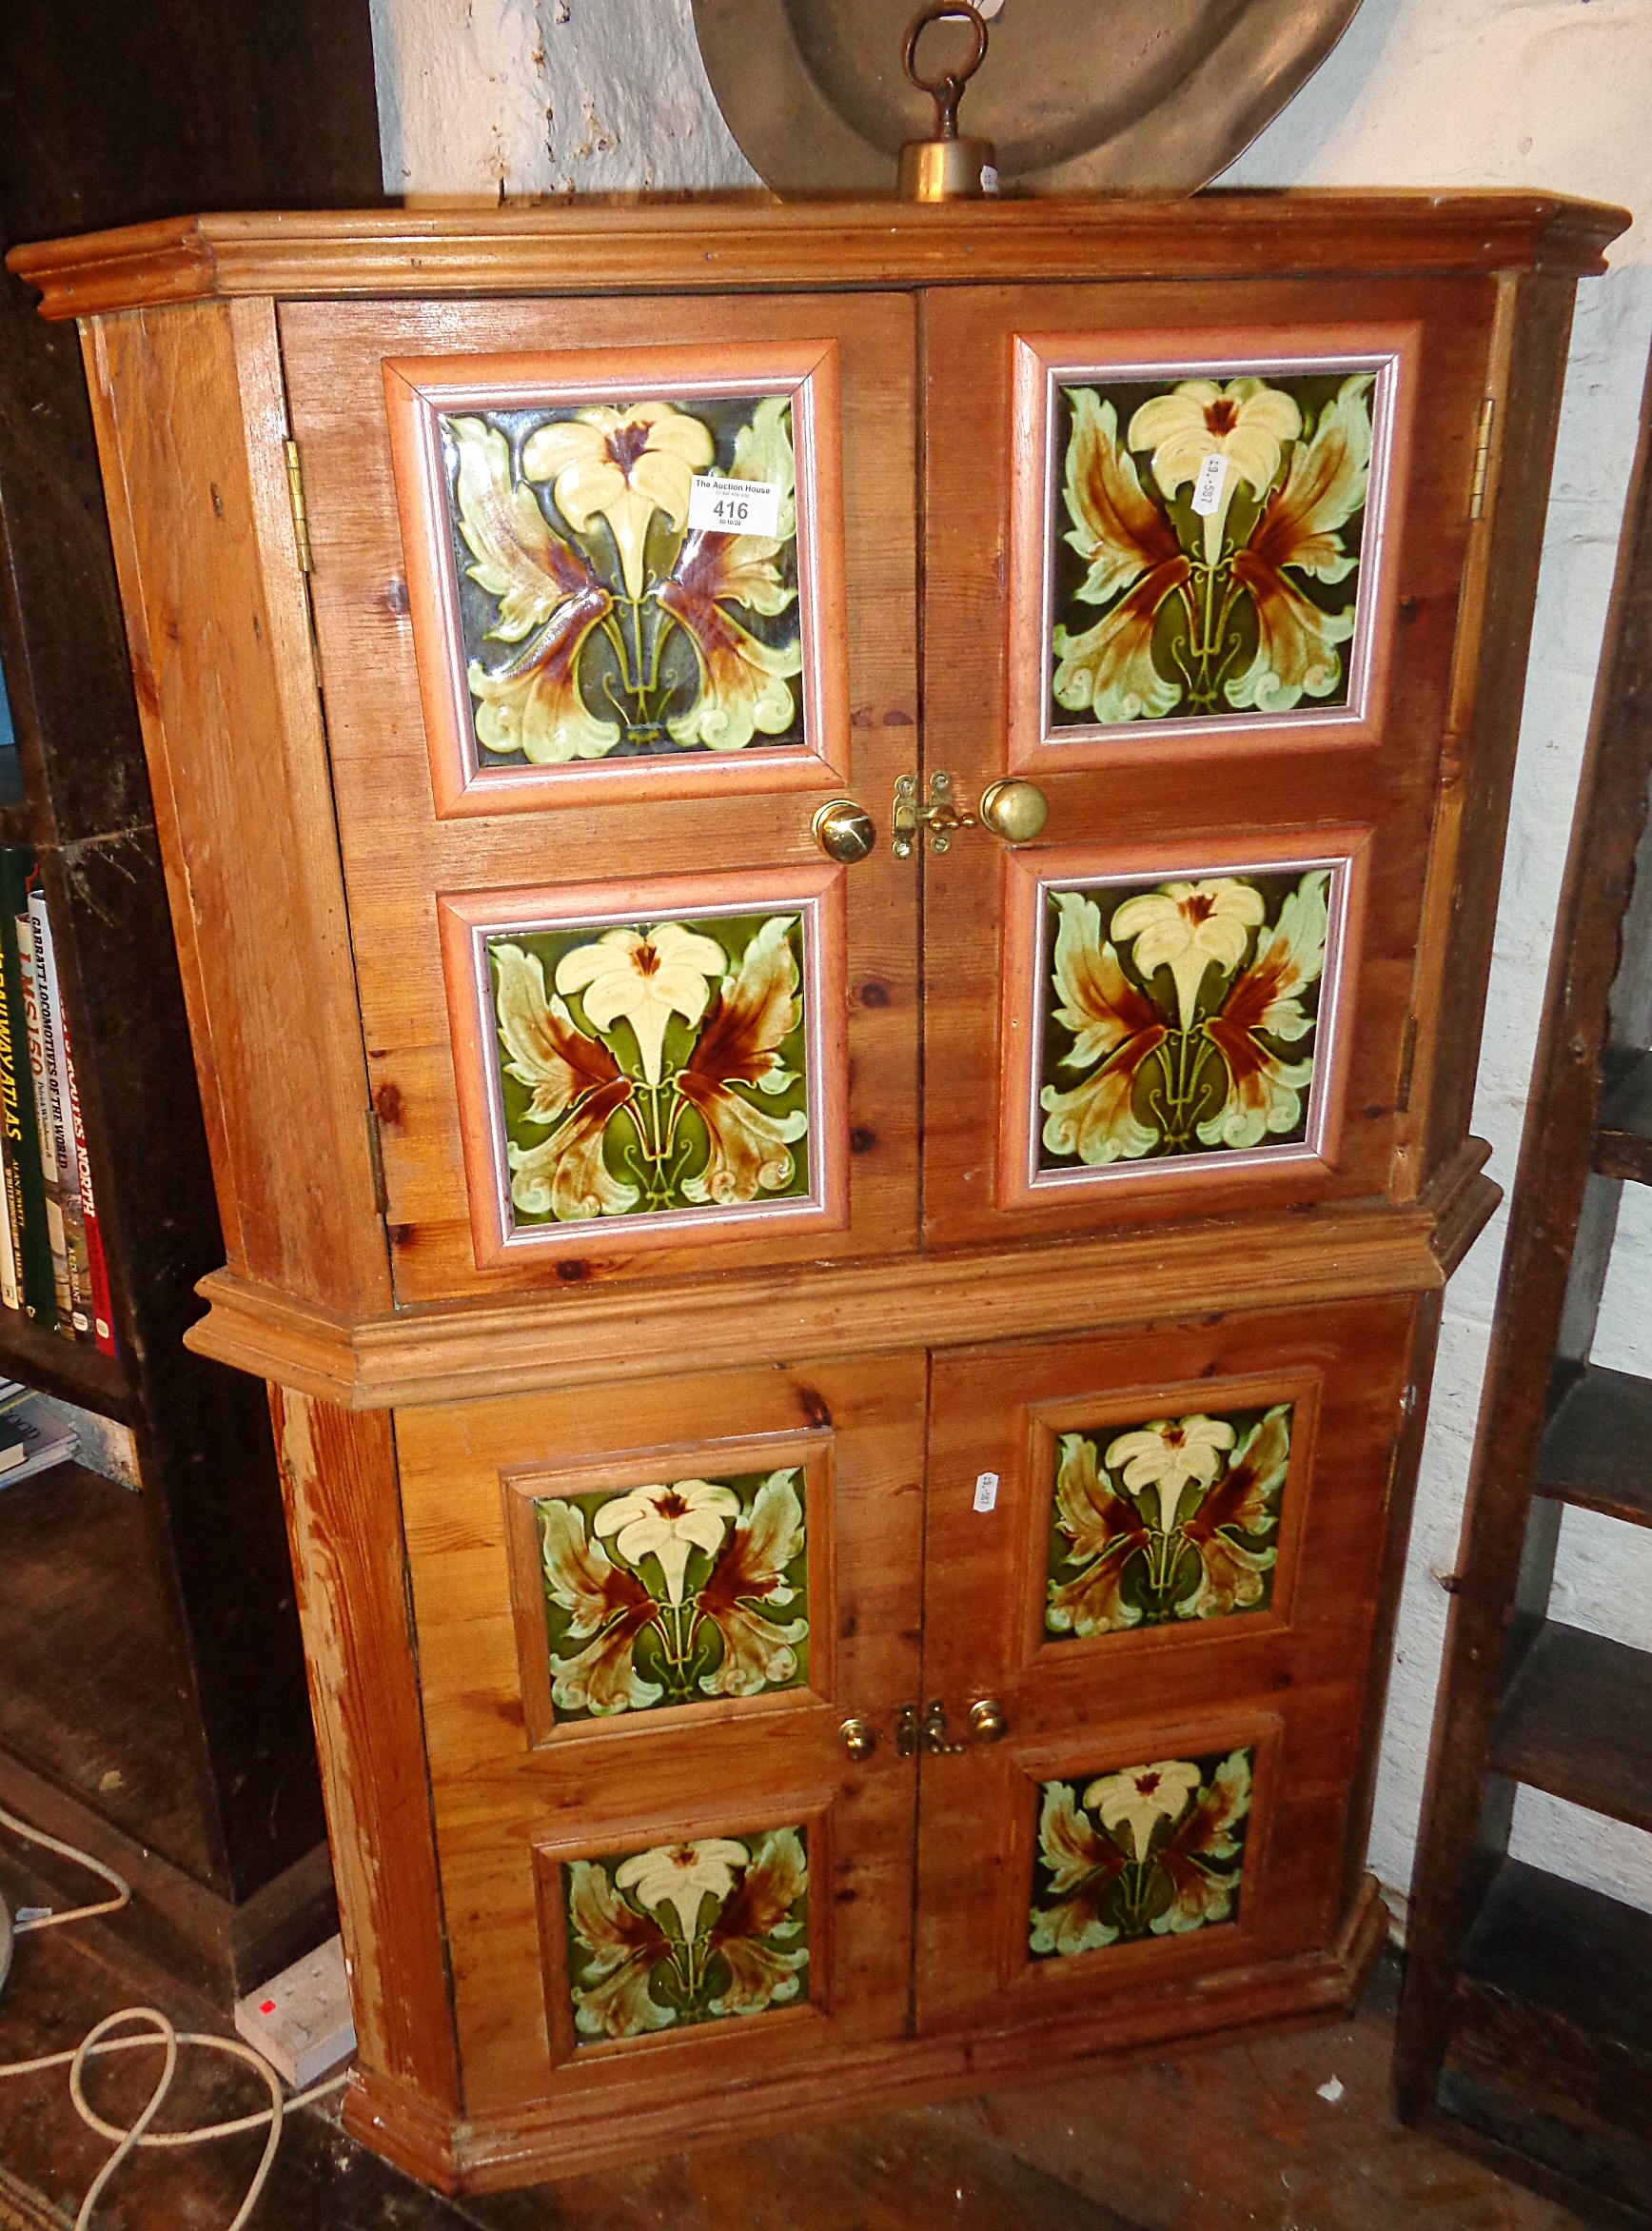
<point x="1300" y="1386"/>
<point x="810" y="1452"/>
<point x="1026" y="990"/>
<point x="418" y="391"/>
<point x="1043" y="361"/>
<point x="810" y="1811"/>
<point x="465" y="923"/>
<point x="1074" y="1757"/>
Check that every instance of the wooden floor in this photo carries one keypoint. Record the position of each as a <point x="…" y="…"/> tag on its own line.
<point x="1236" y="2138"/>
<point x="88" y="1687"/>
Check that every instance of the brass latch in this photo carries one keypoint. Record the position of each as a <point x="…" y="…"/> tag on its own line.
<point x="934" y="1732"/>
<point x="1011" y="810"/>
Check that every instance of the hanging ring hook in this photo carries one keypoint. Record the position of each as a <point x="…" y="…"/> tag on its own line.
<point x="944" y="91"/>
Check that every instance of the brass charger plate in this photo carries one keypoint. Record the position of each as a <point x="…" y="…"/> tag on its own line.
<point x="1077" y="94"/>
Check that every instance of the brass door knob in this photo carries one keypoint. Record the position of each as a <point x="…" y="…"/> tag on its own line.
<point x="859" y="1738"/>
<point x="844" y="831"/>
<point x="1014" y="810"/>
<point x="987" y="1720"/>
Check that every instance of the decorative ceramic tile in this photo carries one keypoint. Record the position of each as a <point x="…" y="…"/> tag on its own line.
<point x="676" y="1592"/>
<point x="1140" y="1851"/>
<point x="686" y="1933"/>
<point x="652" y="1068"/>
<point x="1206" y="545"/>
<point x="612" y="603"/>
<point x="1180" y="1017"/>
<point x="1175" y="1518"/>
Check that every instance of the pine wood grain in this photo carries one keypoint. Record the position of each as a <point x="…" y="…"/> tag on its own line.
<point x="735" y="241"/>
<point x="400" y="857"/>
<point x="493" y="2151"/>
<point x="189" y="421"/>
<point x="723" y="1766"/>
<point x="1246" y="789"/>
<point x="893" y="1374"/>
<point x="1288" y="1679"/>
<point x="580" y="1336"/>
<point x="343" y="1516"/>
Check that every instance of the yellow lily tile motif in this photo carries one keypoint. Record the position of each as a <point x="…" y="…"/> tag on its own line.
<point x="1185" y="1016"/>
<point x="705" y="1930"/>
<point x="1138" y="1853"/>
<point x="1177" y="1518"/>
<point x="597" y="624"/>
<point x="652" y="1067"/>
<point x="1207" y="546"/>
<point x="676" y="1591"/>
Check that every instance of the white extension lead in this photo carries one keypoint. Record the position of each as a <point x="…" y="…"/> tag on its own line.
<point x="99" y="2040"/>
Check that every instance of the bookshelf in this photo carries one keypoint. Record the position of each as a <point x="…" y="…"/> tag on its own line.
<point x="153" y="1699"/>
<point x="1526" y="2024"/>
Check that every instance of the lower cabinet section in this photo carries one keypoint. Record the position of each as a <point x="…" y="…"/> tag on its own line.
<point x="799" y="1719"/>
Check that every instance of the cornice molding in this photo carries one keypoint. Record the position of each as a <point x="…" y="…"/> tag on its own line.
<point x="726" y="243"/>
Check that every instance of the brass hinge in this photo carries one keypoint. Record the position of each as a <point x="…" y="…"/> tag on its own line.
<point x="1407" y="1062"/>
<point x="376" y="1163"/>
<point x="295" y="491"/>
<point x="1482" y="457"/>
<point x="1394" y="1448"/>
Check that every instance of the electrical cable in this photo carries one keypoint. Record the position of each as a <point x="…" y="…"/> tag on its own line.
<point x="130" y="2138"/>
<point x="51" y="1920"/>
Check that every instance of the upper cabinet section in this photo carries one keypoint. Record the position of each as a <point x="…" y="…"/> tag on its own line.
<point x="828" y="732"/>
<point x="601" y="627"/>
<point x="1236" y="523"/>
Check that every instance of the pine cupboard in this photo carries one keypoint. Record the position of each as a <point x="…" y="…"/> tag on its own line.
<point x="834" y="870"/>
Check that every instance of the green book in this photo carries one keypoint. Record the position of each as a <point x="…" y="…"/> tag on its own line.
<point x="24" y="1172"/>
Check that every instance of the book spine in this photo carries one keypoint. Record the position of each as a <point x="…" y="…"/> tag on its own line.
<point x="40" y="1074"/>
<point x="10" y="1292"/>
<point x="25" y="1170"/>
<point x="11" y="1145"/>
<point x="76" y="1320"/>
<point x="103" y="1323"/>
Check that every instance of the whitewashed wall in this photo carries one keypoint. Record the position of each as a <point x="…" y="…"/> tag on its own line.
<point x="525" y="96"/>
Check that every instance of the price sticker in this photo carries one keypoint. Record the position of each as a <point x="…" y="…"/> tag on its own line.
<point x="732" y="507"/>
<point x="1208" y="488"/>
<point x="986" y="1489"/>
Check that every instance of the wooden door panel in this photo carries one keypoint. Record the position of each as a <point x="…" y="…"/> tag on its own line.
<point x="1163" y="1547"/>
<point x="1070" y="648"/>
<point x="554" y="707"/>
<point x="642" y="1617"/>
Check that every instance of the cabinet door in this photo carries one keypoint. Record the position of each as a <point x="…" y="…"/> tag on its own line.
<point x="1193" y="557"/>
<point x="1158" y="1556"/>
<point x="644" y="1614"/>
<point x="610" y="595"/>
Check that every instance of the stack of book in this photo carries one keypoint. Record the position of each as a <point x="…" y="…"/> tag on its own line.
<point x="51" y="1256"/>
<point x="34" y="1435"/>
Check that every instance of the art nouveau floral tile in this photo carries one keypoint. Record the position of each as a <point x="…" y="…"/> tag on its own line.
<point x="1139" y="1853"/>
<point x="676" y="1592"/>
<point x="596" y="624"/>
<point x="686" y="1933"/>
<point x="1173" y="1519"/>
<point x="651" y="1067"/>
<point x="1206" y="546"/>
<point x="1182" y="1017"/>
